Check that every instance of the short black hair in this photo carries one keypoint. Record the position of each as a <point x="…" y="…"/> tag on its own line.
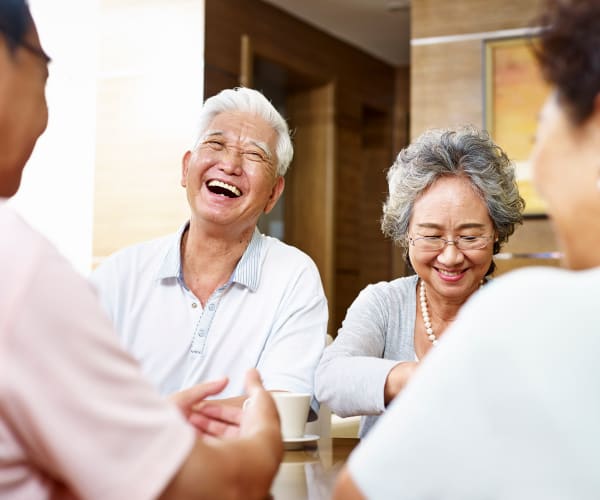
<point x="569" y="55"/>
<point x="15" y="21"/>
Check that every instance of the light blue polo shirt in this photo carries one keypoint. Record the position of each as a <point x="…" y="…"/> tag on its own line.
<point x="271" y="315"/>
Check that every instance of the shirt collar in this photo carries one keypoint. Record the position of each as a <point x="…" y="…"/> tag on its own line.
<point x="171" y="263"/>
<point x="246" y="273"/>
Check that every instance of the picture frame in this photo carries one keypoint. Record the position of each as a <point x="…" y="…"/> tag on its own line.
<point x="514" y="93"/>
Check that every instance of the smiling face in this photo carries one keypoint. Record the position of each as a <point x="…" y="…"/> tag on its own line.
<point x="450" y="208"/>
<point x="23" y="110"/>
<point x="231" y="175"/>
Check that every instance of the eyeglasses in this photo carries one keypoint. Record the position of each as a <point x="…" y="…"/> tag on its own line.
<point x="435" y="243"/>
<point x="253" y="155"/>
<point x="32" y="49"/>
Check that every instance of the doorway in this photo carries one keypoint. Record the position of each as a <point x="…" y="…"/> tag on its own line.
<point x="304" y="216"/>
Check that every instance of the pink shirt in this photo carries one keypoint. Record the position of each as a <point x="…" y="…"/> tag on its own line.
<point x="76" y="418"/>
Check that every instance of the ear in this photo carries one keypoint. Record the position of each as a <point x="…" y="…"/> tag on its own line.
<point x="184" y="167"/>
<point x="275" y="194"/>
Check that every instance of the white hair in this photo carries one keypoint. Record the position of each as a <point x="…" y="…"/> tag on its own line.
<point x="250" y="101"/>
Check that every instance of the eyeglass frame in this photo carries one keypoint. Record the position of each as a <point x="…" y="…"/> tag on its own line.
<point x="446" y="242"/>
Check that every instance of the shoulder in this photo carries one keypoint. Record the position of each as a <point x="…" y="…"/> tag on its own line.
<point x="21" y="247"/>
<point x="528" y="308"/>
<point x="277" y="247"/>
<point x="286" y="258"/>
<point x="15" y="231"/>
<point x="138" y="255"/>
<point x="532" y="287"/>
<point x="385" y="297"/>
<point x="397" y="290"/>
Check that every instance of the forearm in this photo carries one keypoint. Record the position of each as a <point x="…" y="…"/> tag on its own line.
<point x="397" y="379"/>
<point x="353" y="385"/>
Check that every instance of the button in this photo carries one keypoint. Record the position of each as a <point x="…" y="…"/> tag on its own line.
<point x="211" y="307"/>
<point x="194" y="305"/>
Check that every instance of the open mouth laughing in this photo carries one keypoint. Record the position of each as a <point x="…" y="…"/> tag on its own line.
<point x="223" y="189"/>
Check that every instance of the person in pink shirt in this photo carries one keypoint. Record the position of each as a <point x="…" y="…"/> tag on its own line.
<point x="76" y="418"/>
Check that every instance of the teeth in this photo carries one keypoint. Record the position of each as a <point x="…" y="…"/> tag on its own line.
<point x="449" y="273"/>
<point x="224" y="185"/>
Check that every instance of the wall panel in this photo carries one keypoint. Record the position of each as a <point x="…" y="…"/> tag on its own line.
<point x="148" y="92"/>
<point x="432" y="18"/>
<point x="446" y="86"/>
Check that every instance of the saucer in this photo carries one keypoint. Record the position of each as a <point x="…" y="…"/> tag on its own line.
<point x="298" y="443"/>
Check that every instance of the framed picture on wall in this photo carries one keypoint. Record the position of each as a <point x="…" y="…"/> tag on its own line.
<point x="514" y="93"/>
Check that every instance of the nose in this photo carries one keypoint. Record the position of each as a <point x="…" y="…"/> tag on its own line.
<point x="232" y="161"/>
<point x="450" y="255"/>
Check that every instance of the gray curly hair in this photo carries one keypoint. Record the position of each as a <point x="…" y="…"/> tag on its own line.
<point x="466" y="152"/>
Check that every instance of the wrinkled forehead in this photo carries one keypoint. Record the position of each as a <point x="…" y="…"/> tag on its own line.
<point x="242" y="126"/>
<point x="242" y="129"/>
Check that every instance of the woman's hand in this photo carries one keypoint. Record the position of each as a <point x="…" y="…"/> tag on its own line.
<point x="397" y="379"/>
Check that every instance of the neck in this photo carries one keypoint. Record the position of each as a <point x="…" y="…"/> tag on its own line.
<point x="442" y="309"/>
<point x="208" y="260"/>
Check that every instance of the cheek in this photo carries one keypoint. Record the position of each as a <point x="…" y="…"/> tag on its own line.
<point x="418" y="259"/>
<point x="262" y="182"/>
<point x="486" y="260"/>
<point x="197" y="166"/>
<point x="539" y="161"/>
<point x="553" y="144"/>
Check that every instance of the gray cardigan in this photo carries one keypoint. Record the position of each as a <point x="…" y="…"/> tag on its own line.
<point x="377" y="333"/>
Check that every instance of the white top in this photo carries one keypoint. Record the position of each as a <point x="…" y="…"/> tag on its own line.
<point x="506" y="406"/>
<point x="271" y="315"/>
<point x="76" y="419"/>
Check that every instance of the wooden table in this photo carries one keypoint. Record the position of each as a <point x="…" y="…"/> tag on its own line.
<point x="309" y="473"/>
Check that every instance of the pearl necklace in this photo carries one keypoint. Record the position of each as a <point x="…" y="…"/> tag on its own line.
<point x="425" y="312"/>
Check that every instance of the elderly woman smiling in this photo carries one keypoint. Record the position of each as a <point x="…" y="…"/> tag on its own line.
<point x="452" y="203"/>
<point x="512" y="412"/>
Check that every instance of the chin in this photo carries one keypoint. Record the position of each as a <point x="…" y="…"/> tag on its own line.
<point x="10" y="188"/>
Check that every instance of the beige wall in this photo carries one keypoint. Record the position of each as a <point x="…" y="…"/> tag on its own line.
<point x="446" y="56"/>
<point x="447" y="80"/>
<point x="148" y="93"/>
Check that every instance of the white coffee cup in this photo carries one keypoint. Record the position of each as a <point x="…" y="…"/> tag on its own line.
<point x="293" y="410"/>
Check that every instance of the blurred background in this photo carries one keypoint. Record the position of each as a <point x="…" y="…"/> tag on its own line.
<point x="356" y="79"/>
